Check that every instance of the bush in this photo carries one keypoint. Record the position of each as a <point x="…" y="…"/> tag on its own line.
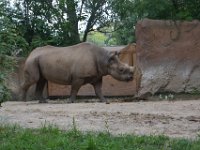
<point x="6" y="67"/>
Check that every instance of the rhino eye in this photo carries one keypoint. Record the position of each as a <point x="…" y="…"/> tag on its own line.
<point x="121" y="70"/>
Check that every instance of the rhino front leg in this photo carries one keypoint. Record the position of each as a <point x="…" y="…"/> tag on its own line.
<point x="98" y="91"/>
<point x="74" y="89"/>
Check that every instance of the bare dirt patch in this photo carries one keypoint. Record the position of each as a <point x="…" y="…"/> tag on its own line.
<point x="174" y="119"/>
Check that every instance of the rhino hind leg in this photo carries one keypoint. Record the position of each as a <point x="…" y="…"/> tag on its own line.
<point x="75" y="88"/>
<point x="31" y="76"/>
<point x="28" y="81"/>
<point x="39" y="89"/>
<point x="24" y="88"/>
<point x="98" y="91"/>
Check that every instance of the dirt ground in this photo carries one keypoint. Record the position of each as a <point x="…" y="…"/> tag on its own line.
<point x="174" y="119"/>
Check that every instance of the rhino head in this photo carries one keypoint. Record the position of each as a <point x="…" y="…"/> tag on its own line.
<point x="119" y="70"/>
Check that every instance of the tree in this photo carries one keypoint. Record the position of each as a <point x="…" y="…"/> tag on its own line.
<point x="130" y="11"/>
<point x="95" y="9"/>
<point x="55" y="22"/>
<point x="33" y="20"/>
<point x="65" y="22"/>
<point x="186" y="10"/>
<point x="11" y="41"/>
<point x="124" y="21"/>
<point x="33" y="23"/>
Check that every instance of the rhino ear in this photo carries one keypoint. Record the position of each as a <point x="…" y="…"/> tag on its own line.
<point x="117" y="53"/>
<point x="112" y="56"/>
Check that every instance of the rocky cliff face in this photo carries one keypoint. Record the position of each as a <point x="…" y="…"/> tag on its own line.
<point x="168" y="54"/>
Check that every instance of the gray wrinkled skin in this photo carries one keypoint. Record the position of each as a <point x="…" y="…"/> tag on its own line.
<point x="74" y="65"/>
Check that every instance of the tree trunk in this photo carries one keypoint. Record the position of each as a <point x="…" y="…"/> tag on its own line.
<point x="72" y="17"/>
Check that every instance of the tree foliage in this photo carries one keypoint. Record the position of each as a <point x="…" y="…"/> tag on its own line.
<point x="11" y="41"/>
<point x="6" y="66"/>
<point x="130" y="11"/>
<point x="55" y="22"/>
<point x="27" y="24"/>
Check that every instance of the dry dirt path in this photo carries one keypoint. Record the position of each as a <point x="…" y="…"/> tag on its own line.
<point x="174" y="119"/>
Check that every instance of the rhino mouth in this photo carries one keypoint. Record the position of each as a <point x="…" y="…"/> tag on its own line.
<point x="129" y="79"/>
<point x="125" y="79"/>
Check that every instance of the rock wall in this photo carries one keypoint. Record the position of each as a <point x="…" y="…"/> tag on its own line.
<point x="168" y="54"/>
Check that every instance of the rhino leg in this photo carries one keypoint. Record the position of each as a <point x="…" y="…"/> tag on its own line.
<point x="74" y="89"/>
<point x="31" y="76"/>
<point x="28" y="81"/>
<point x="24" y="88"/>
<point x="98" y="91"/>
<point x="39" y="89"/>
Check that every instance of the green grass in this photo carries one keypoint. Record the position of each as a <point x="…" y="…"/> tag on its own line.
<point x="50" y="137"/>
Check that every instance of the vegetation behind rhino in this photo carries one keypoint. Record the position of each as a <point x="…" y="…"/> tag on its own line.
<point x="74" y="65"/>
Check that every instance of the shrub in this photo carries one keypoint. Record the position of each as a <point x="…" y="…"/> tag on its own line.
<point x="6" y="66"/>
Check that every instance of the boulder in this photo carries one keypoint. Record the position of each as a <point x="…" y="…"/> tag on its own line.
<point x="168" y="54"/>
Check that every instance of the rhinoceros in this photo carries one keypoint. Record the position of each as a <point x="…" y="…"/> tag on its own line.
<point x="73" y="65"/>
